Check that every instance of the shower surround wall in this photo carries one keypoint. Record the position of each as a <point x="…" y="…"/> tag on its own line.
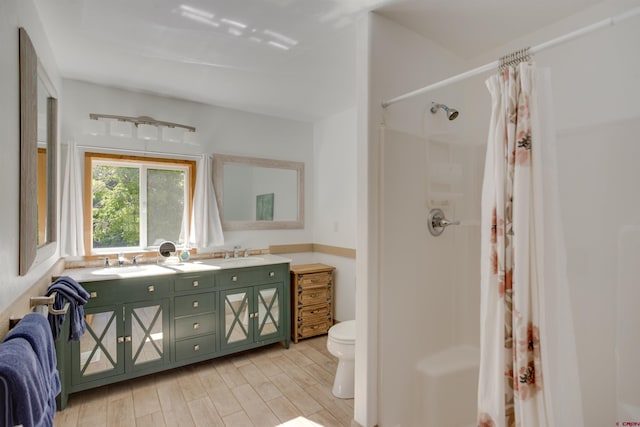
<point x="427" y="285"/>
<point x="598" y="148"/>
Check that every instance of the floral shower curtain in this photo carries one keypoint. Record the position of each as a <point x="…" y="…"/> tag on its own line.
<point x="528" y="363"/>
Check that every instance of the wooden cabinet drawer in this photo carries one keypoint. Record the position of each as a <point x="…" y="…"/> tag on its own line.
<point x="193" y="282"/>
<point x="314" y="296"/>
<point x="187" y="305"/>
<point x="244" y="276"/>
<point x="306" y="329"/>
<point x="195" y="347"/>
<point x="314" y="280"/>
<point x="315" y="313"/>
<point x="312" y="300"/>
<point x="194" y="325"/>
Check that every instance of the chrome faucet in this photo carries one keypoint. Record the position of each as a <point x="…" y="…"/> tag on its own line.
<point x="121" y="259"/>
<point x="106" y="262"/>
<point x="236" y="251"/>
<point x="246" y="252"/>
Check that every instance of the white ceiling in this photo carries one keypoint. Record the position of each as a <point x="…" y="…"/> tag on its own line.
<point x="288" y="58"/>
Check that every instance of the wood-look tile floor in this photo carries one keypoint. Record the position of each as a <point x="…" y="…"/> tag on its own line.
<point x="266" y="387"/>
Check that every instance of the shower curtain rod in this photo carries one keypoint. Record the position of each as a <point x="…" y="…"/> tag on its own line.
<point x="608" y="22"/>
<point x="141" y="152"/>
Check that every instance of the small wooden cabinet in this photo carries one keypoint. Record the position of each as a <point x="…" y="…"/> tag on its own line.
<point x="312" y="301"/>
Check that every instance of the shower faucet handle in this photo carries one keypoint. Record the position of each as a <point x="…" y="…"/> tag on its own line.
<point x="445" y="223"/>
<point x="437" y="222"/>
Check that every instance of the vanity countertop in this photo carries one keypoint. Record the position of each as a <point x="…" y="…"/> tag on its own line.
<point x="144" y="270"/>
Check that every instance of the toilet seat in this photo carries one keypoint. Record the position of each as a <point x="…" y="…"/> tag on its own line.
<point x="343" y="332"/>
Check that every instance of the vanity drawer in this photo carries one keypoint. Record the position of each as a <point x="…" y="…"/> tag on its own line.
<point x="102" y="293"/>
<point x="267" y="274"/>
<point x="145" y="289"/>
<point x="314" y="296"/>
<point x="315" y="313"/>
<point x="306" y="330"/>
<point x="306" y="281"/>
<point x="194" y="347"/>
<point x="118" y="290"/>
<point x="194" y="325"/>
<point x="187" y="305"/>
<point x="193" y="282"/>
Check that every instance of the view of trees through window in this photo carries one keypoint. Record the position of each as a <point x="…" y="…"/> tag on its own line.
<point x="137" y="205"/>
<point x="165" y="205"/>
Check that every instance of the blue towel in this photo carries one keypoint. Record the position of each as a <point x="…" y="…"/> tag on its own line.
<point x="35" y="329"/>
<point x="68" y="290"/>
<point x="5" y="402"/>
<point x="21" y="371"/>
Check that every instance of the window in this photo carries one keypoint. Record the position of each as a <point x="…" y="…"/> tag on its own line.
<point x="135" y="203"/>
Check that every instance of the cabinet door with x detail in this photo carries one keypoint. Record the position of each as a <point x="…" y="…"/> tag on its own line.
<point x="121" y="339"/>
<point x="252" y="314"/>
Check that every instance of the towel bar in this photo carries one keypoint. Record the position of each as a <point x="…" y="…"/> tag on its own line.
<point x="37" y="301"/>
<point x="48" y="301"/>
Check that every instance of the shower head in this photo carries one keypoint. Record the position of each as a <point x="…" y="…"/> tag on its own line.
<point x="451" y="112"/>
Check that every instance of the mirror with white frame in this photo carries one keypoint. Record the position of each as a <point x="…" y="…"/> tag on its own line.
<point x="259" y="194"/>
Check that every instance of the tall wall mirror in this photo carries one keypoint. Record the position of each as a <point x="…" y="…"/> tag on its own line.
<point x="38" y="154"/>
<point x="259" y="194"/>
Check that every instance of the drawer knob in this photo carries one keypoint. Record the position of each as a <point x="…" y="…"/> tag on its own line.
<point x="151" y="288"/>
<point x="94" y="295"/>
<point x="195" y="283"/>
<point x="196" y="347"/>
<point x="120" y="340"/>
<point x="234" y="278"/>
<point x="272" y="274"/>
<point x="196" y="325"/>
<point x="195" y="304"/>
<point x="316" y="295"/>
<point x="127" y="338"/>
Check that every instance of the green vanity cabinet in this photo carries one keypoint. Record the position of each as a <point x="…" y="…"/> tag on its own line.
<point x="123" y="339"/>
<point x="137" y="326"/>
<point x="254" y="307"/>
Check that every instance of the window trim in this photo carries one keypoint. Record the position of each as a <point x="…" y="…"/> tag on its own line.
<point x="89" y="157"/>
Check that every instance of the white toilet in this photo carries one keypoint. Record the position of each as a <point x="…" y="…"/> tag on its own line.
<point x="342" y="344"/>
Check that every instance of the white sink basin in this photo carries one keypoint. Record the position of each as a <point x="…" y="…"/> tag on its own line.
<point x="131" y="271"/>
<point x="242" y="262"/>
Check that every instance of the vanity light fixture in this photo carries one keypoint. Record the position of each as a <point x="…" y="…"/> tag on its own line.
<point x="120" y="128"/>
<point x="172" y="134"/>
<point x="94" y="127"/>
<point x="147" y="127"/>
<point x="147" y="132"/>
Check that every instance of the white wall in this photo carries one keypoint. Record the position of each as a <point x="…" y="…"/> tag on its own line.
<point x="596" y="85"/>
<point x="327" y="149"/>
<point x="334" y="201"/>
<point x="15" y="14"/>
<point x="219" y="130"/>
<point x="415" y="272"/>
